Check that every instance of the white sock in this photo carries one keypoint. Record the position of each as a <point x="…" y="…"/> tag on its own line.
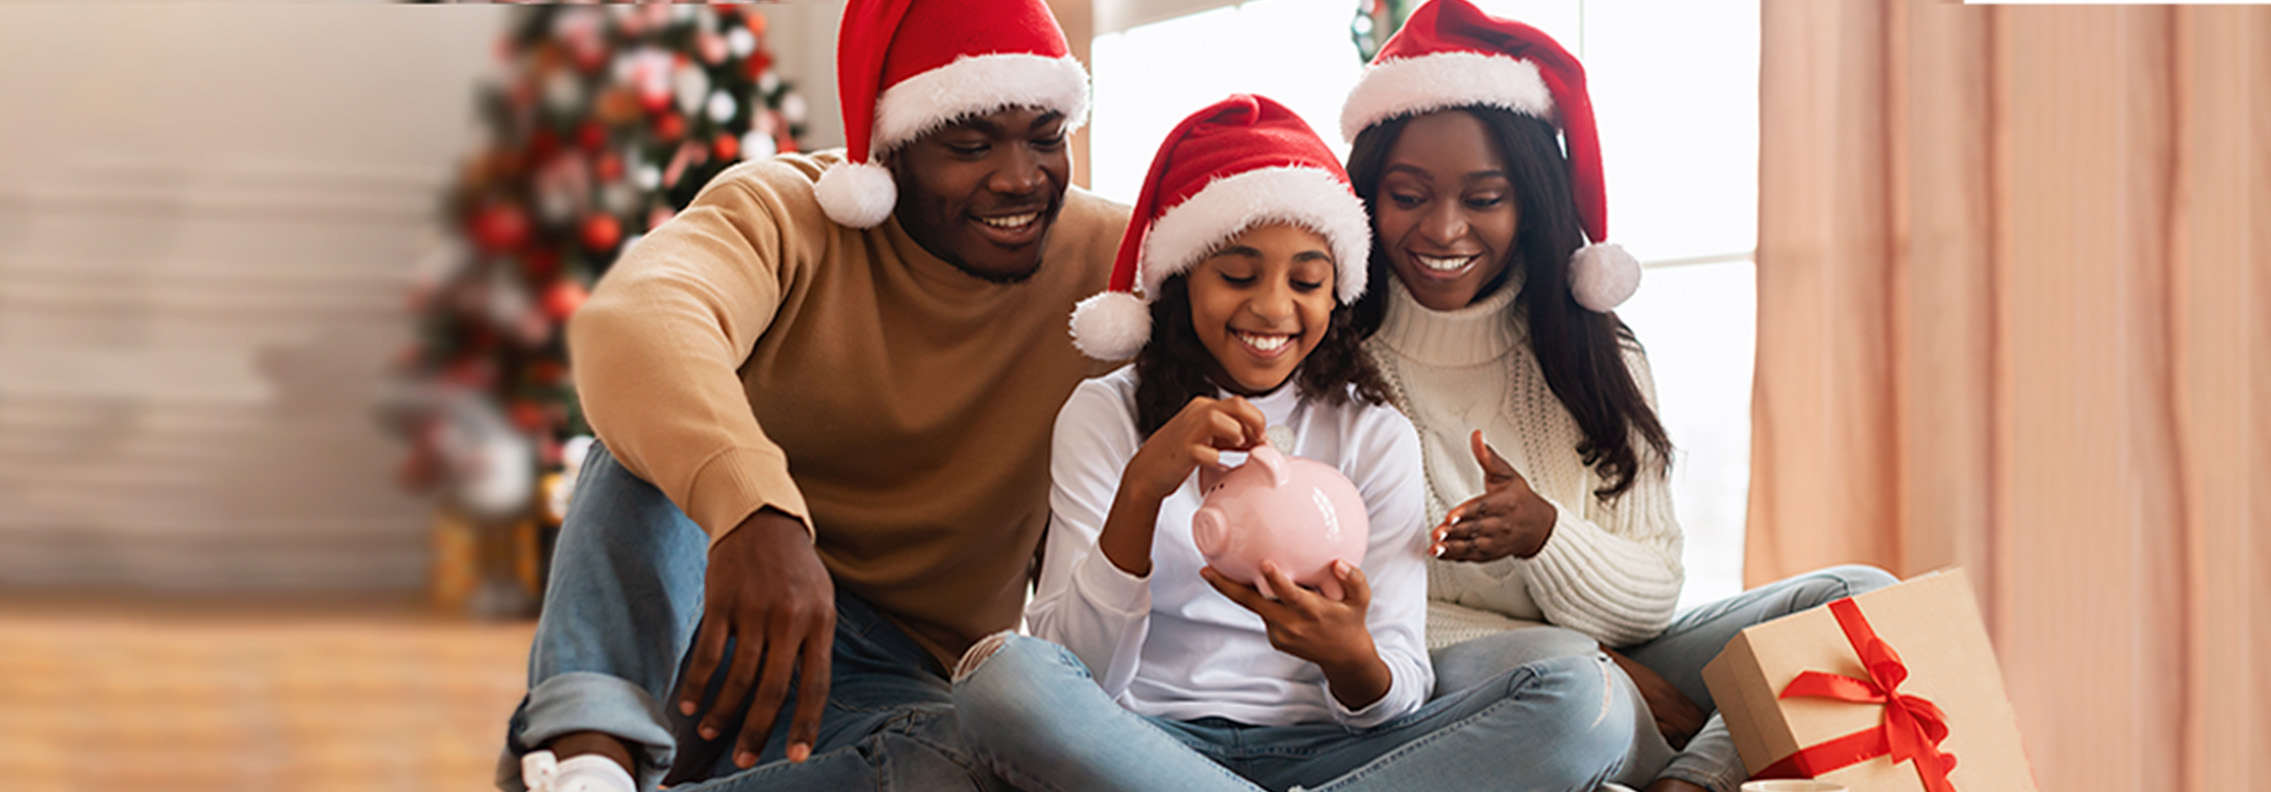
<point x="543" y="772"/>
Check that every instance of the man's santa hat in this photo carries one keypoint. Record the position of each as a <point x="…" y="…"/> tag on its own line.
<point x="1450" y="54"/>
<point x="1242" y="162"/>
<point x="907" y="67"/>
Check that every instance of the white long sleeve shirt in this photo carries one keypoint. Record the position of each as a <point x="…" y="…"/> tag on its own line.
<point x="1610" y="570"/>
<point x="1170" y="645"/>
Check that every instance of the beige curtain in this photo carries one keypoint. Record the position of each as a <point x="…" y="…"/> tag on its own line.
<point x="2014" y="280"/>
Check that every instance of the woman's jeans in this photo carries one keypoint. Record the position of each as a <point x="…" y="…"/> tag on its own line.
<point x="619" y="616"/>
<point x="1678" y="654"/>
<point x="1033" y="713"/>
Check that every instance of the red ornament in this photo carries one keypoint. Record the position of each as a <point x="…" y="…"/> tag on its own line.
<point x="608" y="168"/>
<point x="590" y="135"/>
<point x="541" y="264"/>
<point x="669" y="127"/>
<point x="757" y="64"/>
<point x="601" y="232"/>
<point x="727" y="147"/>
<point x="499" y="228"/>
<point x="562" y="300"/>
<point x="542" y="145"/>
<point x="546" y="373"/>
<point x="528" y="416"/>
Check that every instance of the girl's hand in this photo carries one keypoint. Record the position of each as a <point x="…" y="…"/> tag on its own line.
<point x="1507" y="519"/>
<point x="1195" y="437"/>
<point x="1311" y="626"/>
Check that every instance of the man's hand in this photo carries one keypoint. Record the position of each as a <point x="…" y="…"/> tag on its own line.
<point x="1677" y="717"/>
<point x="1328" y="632"/>
<point x="767" y="590"/>
<point x="1507" y="519"/>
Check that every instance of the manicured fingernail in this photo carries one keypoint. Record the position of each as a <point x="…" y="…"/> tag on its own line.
<point x="709" y="732"/>
<point x="798" y="752"/>
<point x="686" y="707"/>
<point x="1340" y="567"/>
<point x="1438" y="551"/>
<point x="745" y="759"/>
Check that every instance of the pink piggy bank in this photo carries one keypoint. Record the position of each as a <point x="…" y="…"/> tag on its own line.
<point x="1299" y="513"/>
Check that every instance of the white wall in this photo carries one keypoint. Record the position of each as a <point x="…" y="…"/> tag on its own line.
<point x="207" y="219"/>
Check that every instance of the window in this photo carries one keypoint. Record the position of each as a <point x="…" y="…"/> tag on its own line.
<point x="1675" y="91"/>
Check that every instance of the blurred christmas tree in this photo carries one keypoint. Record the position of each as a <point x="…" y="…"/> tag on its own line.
<point x="603" y="122"/>
<point x="1376" y="21"/>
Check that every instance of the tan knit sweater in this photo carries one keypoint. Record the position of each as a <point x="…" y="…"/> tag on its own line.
<point x="1611" y="570"/>
<point x="753" y="353"/>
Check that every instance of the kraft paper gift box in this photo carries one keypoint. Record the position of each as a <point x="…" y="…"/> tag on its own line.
<point x="1925" y="641"/>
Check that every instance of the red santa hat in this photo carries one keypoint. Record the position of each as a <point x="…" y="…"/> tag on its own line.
<point x="957" y="58"/>
<point x="1451" y="54"/>
<point x="1241" y="162"/>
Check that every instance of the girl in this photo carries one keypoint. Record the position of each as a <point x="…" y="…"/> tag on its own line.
<point x="1492" y="329"/>
<point x="1164" y="675"/>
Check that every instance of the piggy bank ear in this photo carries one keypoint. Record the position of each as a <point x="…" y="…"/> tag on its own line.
<point x="1210" y="477"/>
<point x="1271" y="461"/>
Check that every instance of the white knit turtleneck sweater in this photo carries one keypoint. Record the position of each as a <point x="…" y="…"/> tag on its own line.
<point x="1610" y="570"/>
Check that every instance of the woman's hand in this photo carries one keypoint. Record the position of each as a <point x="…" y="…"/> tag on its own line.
<point x="1194" y="438"/>
<point x="1676" y="717"/>
<point x="1507" y="519"/>
<point x="1322" y="630"/>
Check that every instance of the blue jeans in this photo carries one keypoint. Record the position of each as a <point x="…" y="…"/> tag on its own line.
<point x="1678" y="654"/>
<point x="619" y="617"/>
<point x="1034" y="714"/>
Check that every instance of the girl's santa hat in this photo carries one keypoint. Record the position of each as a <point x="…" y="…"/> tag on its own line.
<point x="1451" y="54"/>
<point x="1242" y="162"/>
<point x="907" y="67"/>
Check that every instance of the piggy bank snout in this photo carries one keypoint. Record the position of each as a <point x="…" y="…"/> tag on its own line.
<point x="1210" y="530"/>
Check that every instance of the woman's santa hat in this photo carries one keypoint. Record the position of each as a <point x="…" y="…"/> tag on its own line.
<point x="1451" y="54"/>
<point x="1242" y="162"/>
<point x="907" y="67"/>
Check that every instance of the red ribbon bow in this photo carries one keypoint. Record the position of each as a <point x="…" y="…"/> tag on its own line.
<point x="1913" y="726"/>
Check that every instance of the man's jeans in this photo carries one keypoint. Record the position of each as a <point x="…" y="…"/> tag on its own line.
<point x="1678" y="654"/>
<point x="1037" y="717"/>
<point x="625" y="598"/>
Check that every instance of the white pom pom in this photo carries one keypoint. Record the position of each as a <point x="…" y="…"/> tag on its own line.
<point x="859" y="195"/>
<point x="1603" y="276"/>
<point x="1111" y="326"/>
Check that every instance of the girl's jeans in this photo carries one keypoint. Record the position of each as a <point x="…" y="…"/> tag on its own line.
<point x="619" y="616"/>
<point x="1032" y="712"/>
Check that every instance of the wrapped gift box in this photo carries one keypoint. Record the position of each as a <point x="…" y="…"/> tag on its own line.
<point x="1926" y="643"/>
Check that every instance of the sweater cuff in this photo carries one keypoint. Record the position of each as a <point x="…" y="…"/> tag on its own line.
<point x="737" y="483"/>
<point x="1110" y="588"/>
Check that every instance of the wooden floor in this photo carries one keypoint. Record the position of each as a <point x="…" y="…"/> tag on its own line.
<point x="188" y="703"/>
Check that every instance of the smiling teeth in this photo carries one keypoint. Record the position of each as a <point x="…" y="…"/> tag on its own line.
<point x="1265" y="343"/>
<point x="1442" y="264"/>
<point x="1012" y="221"/>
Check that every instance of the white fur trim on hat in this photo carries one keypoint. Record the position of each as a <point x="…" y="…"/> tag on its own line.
<point x="857" y="194"/>
<point x="1310" y="197"/>
<point x="974" y="84"/>
<point x="1603" y="276"/>
<point x="1407" y="86"/>
<point x="1111" y="325"/>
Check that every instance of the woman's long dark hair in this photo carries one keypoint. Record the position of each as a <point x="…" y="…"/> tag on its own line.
<point x="1173" y="366"/>
<point x="1578" y="350"/>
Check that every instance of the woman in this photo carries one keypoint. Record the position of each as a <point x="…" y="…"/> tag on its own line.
<point x="1545" y="461"/>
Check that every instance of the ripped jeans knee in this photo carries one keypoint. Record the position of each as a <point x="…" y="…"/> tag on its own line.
<point x="979" y="652"/>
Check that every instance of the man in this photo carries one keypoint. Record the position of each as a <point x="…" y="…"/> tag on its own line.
<point x="839" y="374"/>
